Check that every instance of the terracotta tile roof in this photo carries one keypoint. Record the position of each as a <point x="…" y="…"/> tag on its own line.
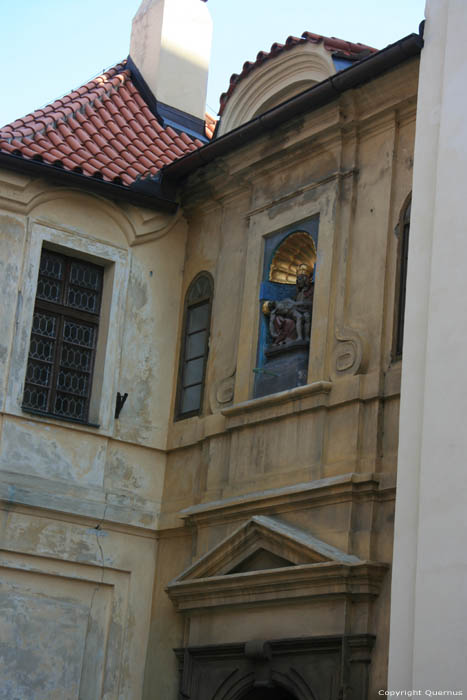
<point x="338" y="47"/>
<point x="209" y="125"/>
<point x="103" y="129"/>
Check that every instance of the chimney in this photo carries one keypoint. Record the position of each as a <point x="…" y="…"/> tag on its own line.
<point x="170" y="45"/>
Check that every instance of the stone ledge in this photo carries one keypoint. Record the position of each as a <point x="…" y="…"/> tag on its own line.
<point x="329" y="490"/>
<point x="276" y="405"/>
<point x="302" y="399"/>
<point x="43" y="497"/>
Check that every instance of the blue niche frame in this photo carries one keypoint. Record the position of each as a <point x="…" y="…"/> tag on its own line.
<point x="275" y="291"/>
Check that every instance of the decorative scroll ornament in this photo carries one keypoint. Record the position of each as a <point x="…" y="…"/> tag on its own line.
<point x="351" y="352"/>
<point x="225" y="389"/>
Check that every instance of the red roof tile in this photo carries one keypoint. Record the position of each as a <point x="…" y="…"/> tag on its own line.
<point x="103" y="128"/>
<point x="338" y="47"/>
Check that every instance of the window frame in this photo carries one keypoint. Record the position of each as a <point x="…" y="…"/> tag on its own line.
<point x="114" y="258"/>
<point x="179" y="415"/>
<point x="403" y="234"/>
<point x="63" y="313"/>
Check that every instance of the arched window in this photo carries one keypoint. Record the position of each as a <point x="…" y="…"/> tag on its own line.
<point x="401" y="279"/>
<point x="195" y="346"/>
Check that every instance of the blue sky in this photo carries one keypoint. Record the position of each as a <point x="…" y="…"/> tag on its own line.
<point x="49" y="47"/>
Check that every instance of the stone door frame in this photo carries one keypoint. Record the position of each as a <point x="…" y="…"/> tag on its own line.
<point x="310" y="668"/>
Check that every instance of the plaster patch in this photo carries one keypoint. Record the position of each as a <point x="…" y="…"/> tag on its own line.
<point x="41" y="646"/>
<point x="30" y="448"/>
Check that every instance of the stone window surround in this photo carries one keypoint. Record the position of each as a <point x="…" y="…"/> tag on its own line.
<point x="260" y="229"/>
<point x="114" y="260"/>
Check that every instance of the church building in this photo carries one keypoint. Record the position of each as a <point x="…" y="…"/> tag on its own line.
<point x="200" y="371"/>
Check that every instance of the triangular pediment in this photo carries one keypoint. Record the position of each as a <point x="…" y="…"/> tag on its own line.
<point x="267" y="560"/>
<point x="260" y="560"/>
<point x="261" y="544"/>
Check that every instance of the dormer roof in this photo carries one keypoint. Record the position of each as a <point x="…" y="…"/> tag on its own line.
<point x="344" y="53"/>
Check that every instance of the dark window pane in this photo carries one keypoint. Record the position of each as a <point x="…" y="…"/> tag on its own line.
<point x="79" y="333"/>
<point x="51" y="265"/>
<point x="83" y="299"/>
<point x="49" y="290"/>
<point x="44" y="324"/>
<point x="191" y="399"/>
<point x="198" y="318"/>
<point x="70" y="406"/>
<point x="73" y="382"/>
<point x="76" y="358"/>
<point x="35" y="398"/>
<point x="196" y="345"/>
<point x="38" y="373"/>
<point x="403" y="257"/>
<point x="200" y="289"/>
<point x="193" y="372"/>
<point x="85" y="275"/>
<point x="41" y="348"/>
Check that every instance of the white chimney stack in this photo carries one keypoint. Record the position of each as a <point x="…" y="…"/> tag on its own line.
<point x="171" y="45"/>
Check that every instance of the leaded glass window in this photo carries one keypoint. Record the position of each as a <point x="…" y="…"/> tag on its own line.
<point x="63" y="337"/>
<point x="195" y="346"/>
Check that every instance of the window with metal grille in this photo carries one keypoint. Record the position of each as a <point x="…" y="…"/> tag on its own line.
<point x="401" y="280"/>
<point x="195" y="345"/>
<point x="63" y="337"/>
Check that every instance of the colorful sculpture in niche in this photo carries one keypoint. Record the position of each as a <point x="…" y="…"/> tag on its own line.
<point x="286" y="309"/>
<point x="290" y="319"/>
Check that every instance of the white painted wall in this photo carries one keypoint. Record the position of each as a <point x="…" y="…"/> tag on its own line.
<point x="429" y="587"/>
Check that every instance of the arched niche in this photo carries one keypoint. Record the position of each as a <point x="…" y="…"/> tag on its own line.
<point x="296" y="249"/>
<point x="286" y="304"/>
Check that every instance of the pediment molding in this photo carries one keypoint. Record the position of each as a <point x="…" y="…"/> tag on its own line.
<point x="314" y="569"/>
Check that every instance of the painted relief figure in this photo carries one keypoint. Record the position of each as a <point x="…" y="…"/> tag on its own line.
<point x="290" y="319"/>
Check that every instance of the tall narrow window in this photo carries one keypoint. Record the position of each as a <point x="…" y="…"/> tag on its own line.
<point x="63" y="337"/>
<point x="401" y="280"/>
<point x="195" y="345"/>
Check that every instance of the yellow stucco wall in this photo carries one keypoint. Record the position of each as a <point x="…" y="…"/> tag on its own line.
<point x="351" y="163"/>
<point x="92" y="531"/>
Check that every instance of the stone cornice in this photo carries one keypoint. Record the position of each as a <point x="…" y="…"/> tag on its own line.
<point x="282" y="397"/>
<point x="337" y="489"/>
<point x="312" y="582"/>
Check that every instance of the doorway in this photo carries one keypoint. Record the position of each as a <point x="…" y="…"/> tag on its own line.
<point x="268" y="694"/>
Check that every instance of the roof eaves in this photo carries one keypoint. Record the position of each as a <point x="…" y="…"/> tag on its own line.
<point x="148" y="193"/>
